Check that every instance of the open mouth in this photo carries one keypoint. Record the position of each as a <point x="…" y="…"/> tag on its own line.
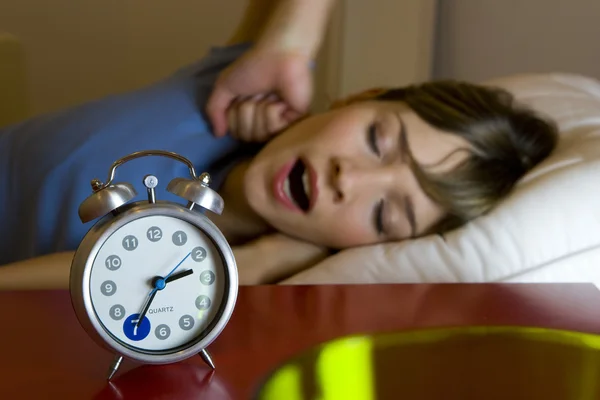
<point x="297" y="186"/>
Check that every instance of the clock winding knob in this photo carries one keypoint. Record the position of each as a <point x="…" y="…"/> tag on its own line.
<point x="151" y="182"/>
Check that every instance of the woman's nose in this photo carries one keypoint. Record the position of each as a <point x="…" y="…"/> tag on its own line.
<point x="350" y="179"/>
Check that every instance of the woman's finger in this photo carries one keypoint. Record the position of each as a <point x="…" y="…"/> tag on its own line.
<point x="246" y="111"/>
<point x="232" y="121"/>
<point x="259" y="133"/>
<point x="291" y="115"/>
<point x="275" y="119"/>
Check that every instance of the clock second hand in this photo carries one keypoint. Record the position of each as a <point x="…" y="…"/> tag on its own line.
<point x="159" y="284"/>
<point x="180" y="262"/>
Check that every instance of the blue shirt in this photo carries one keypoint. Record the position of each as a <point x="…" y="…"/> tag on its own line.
<point x="47" y="162"/>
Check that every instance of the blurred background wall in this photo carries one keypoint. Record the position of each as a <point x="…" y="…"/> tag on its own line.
<point x="76" y="50"/>
<point x="481" y="39"/>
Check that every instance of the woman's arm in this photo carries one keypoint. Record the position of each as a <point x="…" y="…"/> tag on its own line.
<point x="269" y="259"/>
<point x="287" y="35"/>
<point x="44" y="272"/>
<point x="275" y="257"/>
<point x="287" y="25"/>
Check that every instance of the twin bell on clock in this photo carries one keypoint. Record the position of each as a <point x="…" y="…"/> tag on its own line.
<point x="153" y="281"/>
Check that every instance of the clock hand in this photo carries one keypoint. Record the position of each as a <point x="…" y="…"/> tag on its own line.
<point x="180" y="262"/>
<point x="179" y="275"/>
<point x="159" y="284"/>
<point x="146" y="307"/>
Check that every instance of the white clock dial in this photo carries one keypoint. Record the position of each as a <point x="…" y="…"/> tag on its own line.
<point x="168" y="261"/>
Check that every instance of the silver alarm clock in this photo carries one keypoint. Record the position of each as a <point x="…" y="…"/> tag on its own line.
<point x="153" y="281"/>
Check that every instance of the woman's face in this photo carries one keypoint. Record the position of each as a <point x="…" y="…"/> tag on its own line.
<point x="342" y="178"/>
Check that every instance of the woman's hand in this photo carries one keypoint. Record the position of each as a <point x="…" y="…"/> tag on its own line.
<point x="287" y="36"/>
<point x="264" y="72"/>
<point x="258" y="118"/>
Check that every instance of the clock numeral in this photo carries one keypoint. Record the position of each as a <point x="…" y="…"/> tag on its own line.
<point x="113" y="262"/>
<point x="130" y="243"/>
<point x="198" y="253"/>
<point x="202" y="302"/>
<point x="179" y="238"/>
<point x="154" y="234"/>
<point x="132" y="331"/>
<point x="117" y="312"/>
<point x="186" y="322"/>
<point x="207" y="277"/>
<point x="108" y="288"/>
<point x="162" y="332"/>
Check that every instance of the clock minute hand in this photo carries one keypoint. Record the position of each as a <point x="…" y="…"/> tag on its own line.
<point x="146" y="306"/>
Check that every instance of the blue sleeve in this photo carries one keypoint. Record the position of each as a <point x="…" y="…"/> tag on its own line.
<point x="47" y="162"/>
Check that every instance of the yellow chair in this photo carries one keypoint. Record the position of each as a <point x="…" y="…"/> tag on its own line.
<point x="13" y="82"/>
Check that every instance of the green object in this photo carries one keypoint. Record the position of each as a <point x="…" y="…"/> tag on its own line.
<point x="450" y="363"/>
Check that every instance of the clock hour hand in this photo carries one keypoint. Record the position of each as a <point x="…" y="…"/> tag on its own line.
<point x="179" y="275"/>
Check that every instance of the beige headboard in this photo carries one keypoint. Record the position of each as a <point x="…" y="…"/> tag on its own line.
<point x="13" y="81"/>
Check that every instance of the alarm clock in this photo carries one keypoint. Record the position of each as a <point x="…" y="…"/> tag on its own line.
<point x="153" y="281"/>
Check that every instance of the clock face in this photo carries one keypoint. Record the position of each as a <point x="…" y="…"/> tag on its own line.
<point x="165" y="270"/>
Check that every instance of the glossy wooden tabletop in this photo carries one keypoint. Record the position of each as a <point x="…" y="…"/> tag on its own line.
<point x="46" y="354"/>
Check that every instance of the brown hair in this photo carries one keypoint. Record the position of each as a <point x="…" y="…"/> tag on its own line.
<point x="507" y="140"/>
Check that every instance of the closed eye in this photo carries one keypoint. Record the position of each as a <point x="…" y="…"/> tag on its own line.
<point x="378" y="218"/>
<point x="372" y="139"/>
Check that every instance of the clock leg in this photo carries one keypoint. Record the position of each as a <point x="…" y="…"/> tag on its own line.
<point x="114" y="367"/>
<point x="206" y="357"/>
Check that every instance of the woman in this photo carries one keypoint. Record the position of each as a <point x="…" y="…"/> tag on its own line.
<point x="384" y="165"/>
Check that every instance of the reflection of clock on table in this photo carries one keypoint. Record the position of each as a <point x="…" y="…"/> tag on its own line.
<point x="153" y="281"/>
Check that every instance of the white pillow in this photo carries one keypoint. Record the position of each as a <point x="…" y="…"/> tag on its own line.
<point x="547" y="230"/>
